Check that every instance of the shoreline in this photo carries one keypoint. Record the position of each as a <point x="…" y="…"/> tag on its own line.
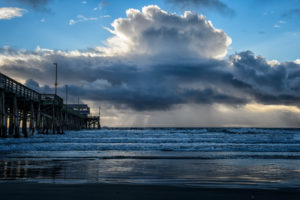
<point x="39" y="191"/>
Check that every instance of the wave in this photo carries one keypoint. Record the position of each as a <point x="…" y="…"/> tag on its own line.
<point x="198" y="147"/>
<point x="179" y="140"/>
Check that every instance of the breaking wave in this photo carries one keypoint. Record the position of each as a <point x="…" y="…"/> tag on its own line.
<point x="175" y="140"/>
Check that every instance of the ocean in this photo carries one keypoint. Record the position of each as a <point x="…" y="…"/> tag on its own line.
<point x="196" y="157"/>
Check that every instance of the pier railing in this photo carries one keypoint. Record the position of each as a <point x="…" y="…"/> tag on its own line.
<point x="10" y="85"/>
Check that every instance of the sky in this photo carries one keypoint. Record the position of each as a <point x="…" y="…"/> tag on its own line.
<point x="162" y="63"/>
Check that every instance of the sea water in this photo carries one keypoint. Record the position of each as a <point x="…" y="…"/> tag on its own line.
<point x="205" y="157"/>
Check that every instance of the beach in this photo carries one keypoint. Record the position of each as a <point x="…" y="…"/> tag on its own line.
<point x="153" y="164"/>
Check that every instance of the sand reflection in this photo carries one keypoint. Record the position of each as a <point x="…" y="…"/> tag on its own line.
<point x="166" y="171"/>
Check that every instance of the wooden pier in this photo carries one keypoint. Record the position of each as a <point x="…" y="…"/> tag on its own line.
<point x="23" y="109"/>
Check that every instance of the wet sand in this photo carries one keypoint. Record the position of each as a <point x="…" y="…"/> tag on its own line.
<point x="38" y="191"/>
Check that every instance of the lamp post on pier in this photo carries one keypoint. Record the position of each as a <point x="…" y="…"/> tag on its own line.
<point x="54" y="121"/>
<point x="55" y="78"/>
<point x="66" y="94"/>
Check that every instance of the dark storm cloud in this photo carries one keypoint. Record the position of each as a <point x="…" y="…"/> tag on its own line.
<point x="244" y="78"/>
<point x="255" y="71"/>
<point x="279" y="99"/>
<point x="204" y="4"/>
<point x="158" y="87"/>
<point x="207" y="96"/>
<point x="35" y="86"/>
<point x="162" y="86"/>
<point x="72" y="69"/>
<point x="281" y="78"/>
<point x="270" y="84"/>
<point x="40" y="5"/>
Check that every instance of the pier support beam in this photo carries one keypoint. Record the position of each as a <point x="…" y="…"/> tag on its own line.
<point x="3" y="132"/>
<point x="11" y="119"/>
<point x="31" y="118"/>
<point x="1" y="115"/>
<point x="53" y="120"/>
<point x="38" y="118"/>
<point x="62" y="122"/>
<point x="24" y="122"/>
<point x="16" y="118"/>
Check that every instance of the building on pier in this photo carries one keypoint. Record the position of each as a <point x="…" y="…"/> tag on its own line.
<point x="91" y="122"/>
<point x="83" y="109"/>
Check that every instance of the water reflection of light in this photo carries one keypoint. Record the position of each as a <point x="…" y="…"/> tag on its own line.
<point x="257" y="179"/>
<point x="194" y="171"/>
<point x="24" y="169"/>
<point x="5" y="170"/>
<point x="18" y="169"/>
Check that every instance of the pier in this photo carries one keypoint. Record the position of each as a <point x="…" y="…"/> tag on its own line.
<point x="26" y="111"/>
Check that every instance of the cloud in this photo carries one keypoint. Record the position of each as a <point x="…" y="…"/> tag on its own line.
<point x="153" y="31"/>
<point x="101" y="5"/>
<point x="276" y="26"/>
<point x="81" y="18"/>
<point x="157" y="61"/>
<point x="204" y="4"/>
<point x="39" y="5"/>
<point x="270" y="83"/>
<point x="243" y="79"/>
<point x="11" y="12"/>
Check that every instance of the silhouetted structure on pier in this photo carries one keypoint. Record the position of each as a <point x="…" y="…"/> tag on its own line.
<point x="21" y="106"/>
<point x="91" y="122"/>
<point x="83" y="109"/>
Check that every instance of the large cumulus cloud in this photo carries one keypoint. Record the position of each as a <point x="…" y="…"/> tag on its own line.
<point x="153" y="31"/>
<point x="158" y="61"/>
